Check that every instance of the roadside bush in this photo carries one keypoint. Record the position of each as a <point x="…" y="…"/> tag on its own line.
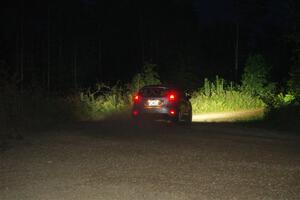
<point x="219" y="96"/>
<point x="294" y="82"/>
<point x="255" y="79"/>
<point x="105" y="100"/>
<point x="96" y="104"/>
<point x="282" y="99"/>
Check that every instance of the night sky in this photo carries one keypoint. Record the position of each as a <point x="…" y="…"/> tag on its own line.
<point x="109" y="41"/>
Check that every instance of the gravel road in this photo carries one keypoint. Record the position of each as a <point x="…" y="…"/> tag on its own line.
<point x="120" y="159"/>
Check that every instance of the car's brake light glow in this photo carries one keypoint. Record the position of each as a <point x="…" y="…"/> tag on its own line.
<point x="172" y="112"/>
<point x="136" y="98"/>
<point x="171" y="97"/>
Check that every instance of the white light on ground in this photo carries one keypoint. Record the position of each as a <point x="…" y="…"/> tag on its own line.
<point x="229" y="116"/>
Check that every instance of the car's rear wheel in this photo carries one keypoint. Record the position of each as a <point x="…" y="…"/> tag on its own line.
<point x="188" y="119"/>
<point x="180" y="118"/>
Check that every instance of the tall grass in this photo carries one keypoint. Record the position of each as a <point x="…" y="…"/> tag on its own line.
<point x="103" y="101"/>
<point x="219" y="96"/>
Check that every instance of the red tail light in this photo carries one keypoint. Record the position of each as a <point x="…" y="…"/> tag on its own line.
<point x="136" y="98"/>
<point x="172" y="112"/>
<point x="171" y="96"/>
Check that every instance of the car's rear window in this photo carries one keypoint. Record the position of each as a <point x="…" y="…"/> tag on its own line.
<point x="153" y="92"/>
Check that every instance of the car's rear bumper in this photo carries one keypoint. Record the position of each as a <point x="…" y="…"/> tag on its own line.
<point x="153" y="110"/>
<point x="158" y="112"/>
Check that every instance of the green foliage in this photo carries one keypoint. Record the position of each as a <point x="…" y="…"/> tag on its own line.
<point x="255" y="77"/>
<point x="148" y="76"/>
<point x="97" y="104"/>
<point x="211" y="88"/>
<point x="282" y="99"/>
<point x="219" y="96"/>
<point x="288" y="98"/>
<point x="294" y="81"/>
<point x="105" y="99"/>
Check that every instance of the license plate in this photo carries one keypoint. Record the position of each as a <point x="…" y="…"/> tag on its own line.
<point x="153" y="102"/>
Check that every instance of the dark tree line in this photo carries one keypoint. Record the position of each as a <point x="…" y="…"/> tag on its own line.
<point x="67" y="44"/>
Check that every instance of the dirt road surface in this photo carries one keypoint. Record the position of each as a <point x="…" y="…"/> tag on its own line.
<point x="118" y="159"/>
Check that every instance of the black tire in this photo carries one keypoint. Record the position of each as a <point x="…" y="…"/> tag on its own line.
<point x="188" y="120"/>
<point x="180" y="119"/>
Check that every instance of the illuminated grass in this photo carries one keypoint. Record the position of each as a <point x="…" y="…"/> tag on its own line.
<point x="94" y="106"/>
<point x="226" y="102"/>
<point x="216" y="97"/>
